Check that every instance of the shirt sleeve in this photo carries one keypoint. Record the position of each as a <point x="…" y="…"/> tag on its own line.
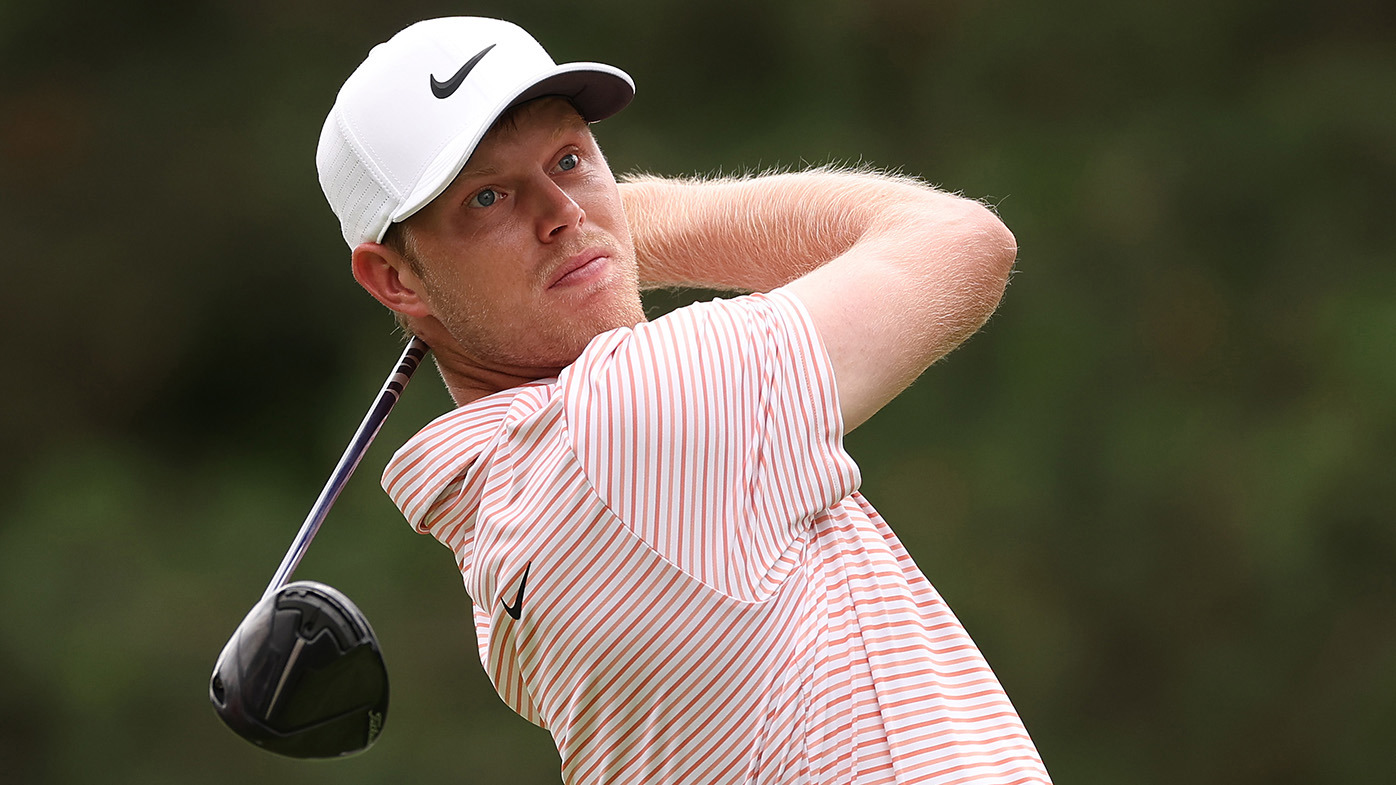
<point x="715" y="434"/>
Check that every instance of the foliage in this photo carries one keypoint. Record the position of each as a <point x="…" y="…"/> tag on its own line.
<point x="1156" y="488"/>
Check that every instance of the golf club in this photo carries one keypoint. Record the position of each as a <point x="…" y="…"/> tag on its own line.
<point x="303" y="674"/>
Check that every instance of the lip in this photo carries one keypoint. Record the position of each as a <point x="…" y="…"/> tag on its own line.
<point x="576" y="267"/>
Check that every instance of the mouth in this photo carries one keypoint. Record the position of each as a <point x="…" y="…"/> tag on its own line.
<point x="579" y="268"/>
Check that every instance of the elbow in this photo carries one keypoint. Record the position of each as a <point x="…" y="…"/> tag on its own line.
<point x="970" y="233"/>
<point x="990" y="244"/>
<point x="980" y="259"/>
<point x="984" y="253"/>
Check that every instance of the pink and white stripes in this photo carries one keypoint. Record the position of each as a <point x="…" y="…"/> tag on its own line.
<point x="709" y="599"/>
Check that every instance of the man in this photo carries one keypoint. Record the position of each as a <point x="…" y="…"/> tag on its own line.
<point x="670" y="565"/>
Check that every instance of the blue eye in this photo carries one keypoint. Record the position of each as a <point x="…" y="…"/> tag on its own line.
<point x="568" y="162"/>
<point x="485" y="198"/>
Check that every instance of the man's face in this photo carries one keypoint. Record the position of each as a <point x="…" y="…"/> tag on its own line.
<point x="527" y="255"/>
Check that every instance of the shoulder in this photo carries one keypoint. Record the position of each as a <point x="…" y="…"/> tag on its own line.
<point x="452" y="444"/>
<point x="716" y="323"/>
<point x="710" y="354"/>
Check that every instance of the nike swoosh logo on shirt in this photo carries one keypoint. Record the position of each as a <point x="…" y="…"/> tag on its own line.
<point x="446" y="88"/>
<point x="517" y="607"/>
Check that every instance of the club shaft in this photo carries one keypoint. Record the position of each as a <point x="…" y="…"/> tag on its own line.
<point x="363" y="437"/>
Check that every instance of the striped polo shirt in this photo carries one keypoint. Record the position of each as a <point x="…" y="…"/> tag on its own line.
<point x="672" y="570"/>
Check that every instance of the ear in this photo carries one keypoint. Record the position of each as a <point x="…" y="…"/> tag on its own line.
<point x="386" y="275"/>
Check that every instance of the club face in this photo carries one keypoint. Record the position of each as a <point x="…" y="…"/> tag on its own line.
<point x="303" y="675"/>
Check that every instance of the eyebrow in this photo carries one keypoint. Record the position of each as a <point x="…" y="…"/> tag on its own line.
<point x="479" y="171"/>
<point x="562" y="130"/>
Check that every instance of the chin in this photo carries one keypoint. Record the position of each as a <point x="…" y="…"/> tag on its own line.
<point x="622" y="315"/>
<point x="583" y="337"/>
<point x="548" y="341"/>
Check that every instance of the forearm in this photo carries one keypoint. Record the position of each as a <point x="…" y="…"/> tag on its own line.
<point x="755" y="234"/>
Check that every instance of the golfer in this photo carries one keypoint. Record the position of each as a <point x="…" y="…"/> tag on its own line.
<point x="670" y="565"/>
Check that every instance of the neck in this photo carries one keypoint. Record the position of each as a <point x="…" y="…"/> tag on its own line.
<point x="467" y="384"/>
<point x="469" y="378"/>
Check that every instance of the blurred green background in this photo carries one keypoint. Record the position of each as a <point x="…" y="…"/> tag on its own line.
<point x="1157" y="488"/>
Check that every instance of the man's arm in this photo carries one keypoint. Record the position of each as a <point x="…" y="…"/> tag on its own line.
<point x="894" y="273"/>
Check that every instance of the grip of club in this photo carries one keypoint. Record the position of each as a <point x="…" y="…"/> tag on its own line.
<point x="387" y="397"/>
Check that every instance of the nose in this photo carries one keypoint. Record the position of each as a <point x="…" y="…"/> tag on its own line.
<point x="557" y="212"/>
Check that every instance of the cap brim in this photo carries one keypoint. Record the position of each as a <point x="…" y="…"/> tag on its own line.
<point x="596" y="90"/>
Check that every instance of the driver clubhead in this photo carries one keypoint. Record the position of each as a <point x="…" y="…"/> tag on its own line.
<point x="303" y="675"/>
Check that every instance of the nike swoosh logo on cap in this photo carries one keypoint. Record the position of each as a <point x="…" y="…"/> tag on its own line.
<point x="446" y="88"/>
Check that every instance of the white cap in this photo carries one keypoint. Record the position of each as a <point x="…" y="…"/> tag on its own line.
<point x="407" y="120"/>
